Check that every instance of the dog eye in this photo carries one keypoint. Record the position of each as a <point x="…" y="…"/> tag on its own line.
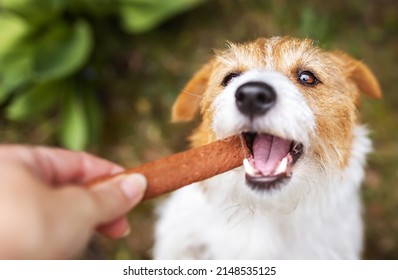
<point x="227" y="79"/>
<point x="308" y="78"/>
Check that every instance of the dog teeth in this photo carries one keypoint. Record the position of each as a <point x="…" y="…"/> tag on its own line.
<point x="249" y="169"/>
<point x="282" y="166"/>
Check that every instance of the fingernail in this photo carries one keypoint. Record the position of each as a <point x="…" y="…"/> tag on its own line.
<point x="117" y="169"/>
<point x="127" y="232"/>
<point x="133" y="186"/>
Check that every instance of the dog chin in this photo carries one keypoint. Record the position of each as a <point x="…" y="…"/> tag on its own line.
<point x="267" y="184"/>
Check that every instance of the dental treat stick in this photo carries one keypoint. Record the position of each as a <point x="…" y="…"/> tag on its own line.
<point x="175" y="171"/>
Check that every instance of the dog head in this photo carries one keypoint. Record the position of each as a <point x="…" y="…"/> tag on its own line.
<point x="291" y="101"/>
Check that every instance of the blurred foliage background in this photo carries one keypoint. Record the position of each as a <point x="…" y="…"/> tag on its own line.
<point x="101" y="75"/>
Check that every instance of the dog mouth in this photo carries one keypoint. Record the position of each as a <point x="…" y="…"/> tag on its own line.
<point x="269" y="159"/>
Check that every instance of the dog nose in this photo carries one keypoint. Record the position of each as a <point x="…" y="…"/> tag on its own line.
<point x="255" y="98"/>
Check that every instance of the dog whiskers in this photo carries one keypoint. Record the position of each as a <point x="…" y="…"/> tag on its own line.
<point x="327" y="115"/>
<point x="238" y="213"/>
<point x="192" y="94"/>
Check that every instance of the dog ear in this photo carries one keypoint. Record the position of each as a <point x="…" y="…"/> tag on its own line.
<point x="362" y="76"/>
<point x="187" y="103"/>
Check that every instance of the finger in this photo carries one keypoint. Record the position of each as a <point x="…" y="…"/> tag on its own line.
<point x="116" y="229"/>
<point x="114" y="198"/>
<point x="59" y="166"/>
<point x="76" y="211"/>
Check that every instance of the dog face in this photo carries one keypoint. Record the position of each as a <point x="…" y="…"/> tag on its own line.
<point x="291" y="101"/>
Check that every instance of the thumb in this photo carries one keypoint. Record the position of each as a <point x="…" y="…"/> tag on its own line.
<point x="114" y="198"/>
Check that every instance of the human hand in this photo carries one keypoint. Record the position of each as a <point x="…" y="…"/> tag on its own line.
<point x="45" y="213"/>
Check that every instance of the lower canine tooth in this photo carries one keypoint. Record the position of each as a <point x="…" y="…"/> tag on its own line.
<point x="249" y="168"/>
<point x="281" y="167"/>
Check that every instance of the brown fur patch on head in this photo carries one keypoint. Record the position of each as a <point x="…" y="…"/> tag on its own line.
<point x="187" y="103"/>
<point x="360" y="75"/>
<point x="334" y="100"/>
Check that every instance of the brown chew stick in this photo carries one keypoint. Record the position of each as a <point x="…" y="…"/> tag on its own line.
<point x="181" y="169"/>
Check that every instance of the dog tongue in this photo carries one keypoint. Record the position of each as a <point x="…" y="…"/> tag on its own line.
<point x="268" y="151"/>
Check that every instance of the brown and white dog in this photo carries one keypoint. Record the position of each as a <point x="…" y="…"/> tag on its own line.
<point x="297" y="197"/>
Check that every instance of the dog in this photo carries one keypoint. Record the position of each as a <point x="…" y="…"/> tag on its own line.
<point x="297" y="196"/>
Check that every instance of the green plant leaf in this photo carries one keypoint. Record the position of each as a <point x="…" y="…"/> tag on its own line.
<point x="13" y="29"/>
<point x="144" y="15"/>
<point x="37" y="11"/>
<point x="15" y="58"/>
<point x="62" y="51"/>
<point x="34" y="102"/>
<point x="16" y="68"/>
<point x="73" y="124"/>
<point x="33" y="5"/>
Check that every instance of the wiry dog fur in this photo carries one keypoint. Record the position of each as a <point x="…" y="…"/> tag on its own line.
<point x="317" y="213"/>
